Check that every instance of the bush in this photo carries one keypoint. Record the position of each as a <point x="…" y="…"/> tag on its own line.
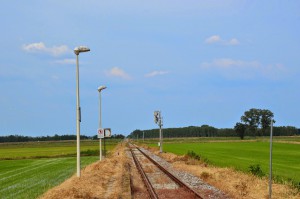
<point x="256" y="170"/>
<point x="193" y="155"/>
<point x="204" y="175"/>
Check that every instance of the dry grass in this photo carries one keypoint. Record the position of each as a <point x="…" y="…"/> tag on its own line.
<point x="237" y="184"/>
<point x="106" y="179"/>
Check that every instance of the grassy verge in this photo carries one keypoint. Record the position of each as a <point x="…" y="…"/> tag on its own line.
<point x="241" y="155"/>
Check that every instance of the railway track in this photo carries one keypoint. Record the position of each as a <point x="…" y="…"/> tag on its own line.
<point x="159" y="182"/>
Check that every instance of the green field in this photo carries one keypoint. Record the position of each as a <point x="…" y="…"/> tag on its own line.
<point x="50" y="149"/>
<point x="30" y="178"/>
<point x="241" y="154"/>
<point x="23" y="174"/>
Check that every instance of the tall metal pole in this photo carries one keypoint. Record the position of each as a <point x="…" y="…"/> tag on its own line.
<point x="160" y="135"/>
<point x="78" y="119"/>
<point x="143" y="136"/>
<point x="270" y="175"/>
<point x="78" y="50"/>
<point x="100" y="125"/>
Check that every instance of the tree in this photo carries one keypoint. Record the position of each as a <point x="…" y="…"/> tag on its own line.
<point x="240" y="129"/>
<point x="251" y="118"/>
<point x="257" y="118"/>
<point x="265" y="119"/>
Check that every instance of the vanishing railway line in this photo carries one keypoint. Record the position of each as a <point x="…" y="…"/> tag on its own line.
<point x="159" y="182"/>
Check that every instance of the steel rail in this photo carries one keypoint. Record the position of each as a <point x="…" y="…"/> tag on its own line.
<point x="179" y="182"/>
<point x="147" y="182"/>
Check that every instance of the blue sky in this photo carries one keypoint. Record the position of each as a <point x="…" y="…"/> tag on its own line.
<point x="198" y="61"/>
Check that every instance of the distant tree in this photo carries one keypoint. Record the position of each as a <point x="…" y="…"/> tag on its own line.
<point x="240" y="129"/>
<point x="251" y="118"/>
<point x="257" y="118"/>
<point x="265" y="120"/>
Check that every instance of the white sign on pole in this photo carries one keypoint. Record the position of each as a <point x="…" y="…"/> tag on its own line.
<point x="100" y="133"/>
<point x="107" y="132"/>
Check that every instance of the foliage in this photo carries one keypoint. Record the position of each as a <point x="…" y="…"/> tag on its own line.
<point x="240" y="129"/>
<point x="257" y="118"/>
<point x="256" y="170"/>
<point x="114" y="136"/>
<point x="193" y="155"/>
<point x="21" y="138"/>
<point x="191" y="131"/>
<point x="207" y="131"/>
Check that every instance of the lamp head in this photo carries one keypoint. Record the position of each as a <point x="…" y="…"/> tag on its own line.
<point x="100" y="88"/>
<point x="81" y="49"/>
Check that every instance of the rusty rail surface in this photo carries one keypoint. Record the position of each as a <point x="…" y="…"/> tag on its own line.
<point x="174" y="178"/>
<point x="147" y="182"/>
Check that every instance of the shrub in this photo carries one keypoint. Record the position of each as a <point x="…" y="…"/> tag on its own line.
<point x="256" y="170"/>
<point x="204" y="175"/>
<point x="193" y="155"/>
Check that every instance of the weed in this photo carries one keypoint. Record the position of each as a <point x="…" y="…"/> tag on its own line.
<point x="204" y="175"/>
<point x="256" y="170"/>
<point x="242" y="188"/>
<point x="193" y="155"/>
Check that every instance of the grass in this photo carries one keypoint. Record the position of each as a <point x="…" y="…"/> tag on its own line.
<point x="24" y="150"/>
<point x="25" y="174"/>
<point x="241" y="155"/>
<point x="29" y="178"/>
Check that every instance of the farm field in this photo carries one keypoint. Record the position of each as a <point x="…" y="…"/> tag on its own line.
<point x="241" y="154"/>
<point x="29" y="178"/>
<point x="50" y="149"/>
<point x="23" y="174"/>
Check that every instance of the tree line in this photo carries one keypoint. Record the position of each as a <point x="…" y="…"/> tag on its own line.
<point x="21" y="138"/>
<point x="254" y="122"/>
<point x="207" y="131"/>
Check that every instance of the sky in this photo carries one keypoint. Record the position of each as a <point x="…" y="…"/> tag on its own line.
<point x="197" y="61"/>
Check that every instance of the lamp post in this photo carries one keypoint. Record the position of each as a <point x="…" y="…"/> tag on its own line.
<point x="270" y="174"/>
<point x="100" y="88"/>
<point x="78" y="50"/>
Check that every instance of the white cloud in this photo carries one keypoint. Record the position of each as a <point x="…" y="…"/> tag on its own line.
<point x="42" y="48"/>
<point x="239" y="69"/>
<point x="213" y="39"/>
<point x="118" y="72"/>
<point x="66" y="61"/>
<point x="233" y="42"/>
<point x="216" y="39"/>
<point x="156" y="73"/>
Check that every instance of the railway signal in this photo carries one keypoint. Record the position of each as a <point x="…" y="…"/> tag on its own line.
<point x="159" y="121"/>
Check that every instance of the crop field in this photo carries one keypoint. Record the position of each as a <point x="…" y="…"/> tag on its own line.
<point x="242" y="154"/>
<point x="23" y="174"/>
<point x="50" y="149"/>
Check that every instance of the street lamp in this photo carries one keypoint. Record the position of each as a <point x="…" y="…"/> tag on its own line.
<point x="78" y="50"/>
<point x="100" y="88"/>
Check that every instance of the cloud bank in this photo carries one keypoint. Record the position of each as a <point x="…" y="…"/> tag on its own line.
<point x="118" y="72"/>
<point x="216" y="39"/>
<point x="156" y="73"/>
<point x="42" y="48"/>
<point x="239" y="69"/>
